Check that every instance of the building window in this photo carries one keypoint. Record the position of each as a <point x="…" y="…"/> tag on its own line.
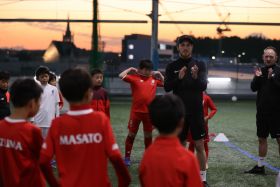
<point x="162" y="46"/>
<point x="130" y="46"/>
<point x="130" y="57"/>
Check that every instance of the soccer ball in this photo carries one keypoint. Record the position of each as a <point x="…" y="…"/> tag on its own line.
<point x="234" y="98"/>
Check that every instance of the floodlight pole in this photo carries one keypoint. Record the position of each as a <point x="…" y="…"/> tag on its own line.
<point x="154" y="38"/>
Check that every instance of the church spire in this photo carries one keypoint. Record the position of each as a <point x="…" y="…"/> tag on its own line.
<point x="68" y="37"/>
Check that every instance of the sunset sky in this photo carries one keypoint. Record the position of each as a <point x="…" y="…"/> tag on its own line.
<point x="39" y="35"/>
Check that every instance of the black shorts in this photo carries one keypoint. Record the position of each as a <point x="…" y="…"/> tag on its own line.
<point x="194" y="123"/>
<point x="268" y="124"/>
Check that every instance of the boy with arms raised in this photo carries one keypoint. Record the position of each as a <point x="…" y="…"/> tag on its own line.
<point x="81" y="140"/>
<point x="143" y="82"/>
<point x="166" y="163"/>
<point x="20" y="140"/>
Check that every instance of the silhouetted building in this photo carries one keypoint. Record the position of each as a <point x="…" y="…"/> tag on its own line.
<point x="136" y="47"/>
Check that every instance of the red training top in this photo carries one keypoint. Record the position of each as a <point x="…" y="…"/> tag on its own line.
<point x="166" y="163"/>
<point x="143" y="91"/>
<point x="100" y="101"/>
<point x="20" y="145"/>
<point x="208" y="103"/>
<point x="82" y="141"/>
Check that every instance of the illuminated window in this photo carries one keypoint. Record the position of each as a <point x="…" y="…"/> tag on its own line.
<point x="130" y="46"/>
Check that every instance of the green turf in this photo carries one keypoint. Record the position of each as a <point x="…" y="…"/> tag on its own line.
<point x="226" y="166"/>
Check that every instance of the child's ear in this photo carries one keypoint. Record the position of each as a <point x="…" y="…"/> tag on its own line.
<point x="180" y="125"/>
<point x="89" y="94"/>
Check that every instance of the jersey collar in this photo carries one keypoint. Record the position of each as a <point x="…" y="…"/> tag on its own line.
<point x="11" y="120"/>
<point x="80" y="110"/>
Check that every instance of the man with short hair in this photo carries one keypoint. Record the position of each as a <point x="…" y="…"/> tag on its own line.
<point x="266" y="83"/>
<point x="187" y="78"/>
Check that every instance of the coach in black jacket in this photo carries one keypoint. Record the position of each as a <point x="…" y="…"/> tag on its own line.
<point x="4" y="105"/>
<point x="187" y="78"/>
<point x="267" y="84"/>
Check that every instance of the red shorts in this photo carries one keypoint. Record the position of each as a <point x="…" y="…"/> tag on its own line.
<point x="206" y="138"/>
<point x="136" y="118"/>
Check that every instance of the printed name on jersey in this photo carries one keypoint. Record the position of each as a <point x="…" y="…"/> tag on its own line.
<point x="11" y="144"/>
<point x="80" y="139"/>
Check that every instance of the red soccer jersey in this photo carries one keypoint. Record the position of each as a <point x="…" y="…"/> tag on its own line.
<point x="208" y="104"/>
<point x="20" y="145"/>
<point x="82" y="141"/>
<point x="143" y="91"/>
<point x="166" y="163"/>
<point x="100" y="101"/>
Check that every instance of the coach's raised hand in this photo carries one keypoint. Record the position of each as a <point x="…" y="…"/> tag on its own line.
<point x="258" y="72"/>
<point x="182" y="72"/>
<point x="194" y="72"/>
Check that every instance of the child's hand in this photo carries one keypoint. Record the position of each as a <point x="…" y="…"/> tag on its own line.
<point x="155" y="73"/>
<point x="133" y="70"/>
<point x="206" y="119"/>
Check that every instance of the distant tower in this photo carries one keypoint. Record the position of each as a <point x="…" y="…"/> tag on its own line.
<point x="68" y="37"/>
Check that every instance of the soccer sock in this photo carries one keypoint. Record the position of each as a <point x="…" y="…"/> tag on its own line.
<point x="128" y="145"/>
<point x="191" y="147"/>
<point x="203" y="175"/>
<point x="260" y="161"/>
<point x="148" y="141"/>
<point x="206" y="149"/>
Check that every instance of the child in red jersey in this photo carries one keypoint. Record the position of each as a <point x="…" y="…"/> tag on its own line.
<point x="20" y="140"/>
<point x="166" y="163"/>
<point x="143" y="82"/>
<point x="207" y="104"/>
<point x="82" y="140"/>
<point x="100" y="100"/>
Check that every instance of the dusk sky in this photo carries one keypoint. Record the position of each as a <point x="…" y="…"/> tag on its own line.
<point x="39" y="35"/>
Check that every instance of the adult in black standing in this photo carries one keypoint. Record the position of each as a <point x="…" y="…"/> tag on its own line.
<point x="4" y="104"/>
<point x="266" y="83"/>
<point x="187" y="78"/>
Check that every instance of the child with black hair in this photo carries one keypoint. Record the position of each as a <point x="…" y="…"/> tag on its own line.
<point x="82" y="140"/>
<point x="166" y="163"/>
<point x="52" y="81"/>
<point x="20" y="140"/>
<point x="49" y="108"/>
<point x="100" y="100"/>
<point x="4" y="94"/>
<point x="143" y="82"/>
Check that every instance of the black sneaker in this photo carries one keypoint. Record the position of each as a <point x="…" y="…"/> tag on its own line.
<point x="256" y="170"/>
<point x="205" y="184"/>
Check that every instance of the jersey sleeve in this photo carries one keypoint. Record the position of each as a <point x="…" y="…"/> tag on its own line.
<point x="37" y="142"/>
<point x="107" y="104"/>
<point x="192" y="172"/>
<point x="212" y="107"/>
<point x="47" y="150"/>
<point x="160" y="83"/>
<point x="128" y="78"/>
<point x="111" y="146"/>
<point x="57" y="101"/>
<point x="171" y="79"/>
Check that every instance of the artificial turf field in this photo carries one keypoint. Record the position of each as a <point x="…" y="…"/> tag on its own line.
<point x="226" y="165"/>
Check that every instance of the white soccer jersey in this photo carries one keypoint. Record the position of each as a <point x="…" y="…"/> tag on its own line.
<point x="48" y="106"/>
